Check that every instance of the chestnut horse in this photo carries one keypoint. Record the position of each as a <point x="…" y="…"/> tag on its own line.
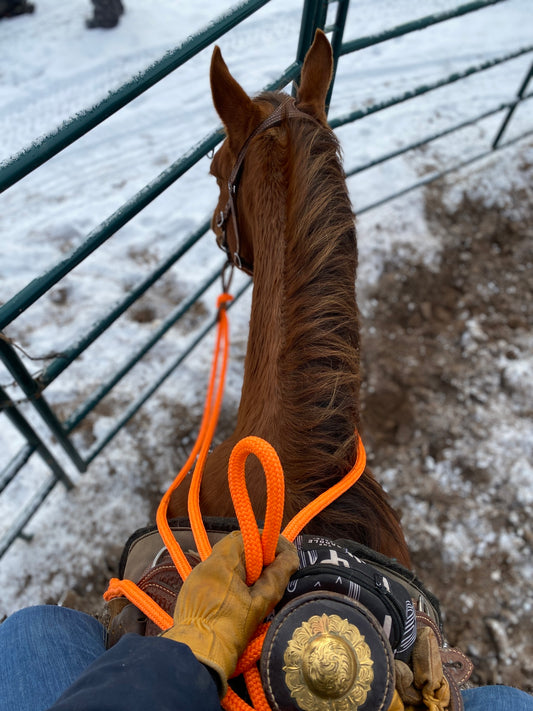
<point x="296" y="233"/>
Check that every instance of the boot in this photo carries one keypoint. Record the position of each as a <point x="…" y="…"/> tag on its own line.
<point x="11" y="8"/>
<point x="106" y="14"/>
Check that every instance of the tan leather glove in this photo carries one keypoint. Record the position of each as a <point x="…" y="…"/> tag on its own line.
<point x="428" y="672"/>
<point x="396" y="703"/>
<point x="425" y="686"/>
<point x="216" y="613"/>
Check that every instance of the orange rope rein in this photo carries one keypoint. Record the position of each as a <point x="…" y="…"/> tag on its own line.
<point x="256" y="690"/>
<point x="127" y="589"/>
<point x="203" y="441"/>
<point x="303" y="517"/>
<point x="260" y="550"/>
<point x="252" y="653"/>
<point x="197" y="525"/>
<point x="140" y="599"/>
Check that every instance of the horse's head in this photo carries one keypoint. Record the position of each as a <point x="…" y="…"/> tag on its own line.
<point x="245" y="120"/>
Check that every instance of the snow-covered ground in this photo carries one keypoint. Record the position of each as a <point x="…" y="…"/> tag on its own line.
<point x="51" y="68"/>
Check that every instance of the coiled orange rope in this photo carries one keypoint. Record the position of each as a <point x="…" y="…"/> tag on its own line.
<point x="260" y="550"/>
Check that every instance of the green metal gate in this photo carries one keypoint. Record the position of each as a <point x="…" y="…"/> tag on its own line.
<point x="32" y="388"/>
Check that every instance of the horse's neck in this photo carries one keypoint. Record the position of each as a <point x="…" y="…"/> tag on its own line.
<point x="261" y="398"/>
<point x="276" y="367"/>
<point x="301" y="375"/>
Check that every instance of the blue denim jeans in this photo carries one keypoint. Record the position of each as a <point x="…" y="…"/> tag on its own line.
<point x="44" y="649"/>
<point x="497" y="698"/>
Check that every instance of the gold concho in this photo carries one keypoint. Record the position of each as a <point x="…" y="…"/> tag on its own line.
<point x="328" y="665"/>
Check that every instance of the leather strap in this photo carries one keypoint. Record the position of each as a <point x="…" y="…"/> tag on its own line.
<point x="457" y="667"/>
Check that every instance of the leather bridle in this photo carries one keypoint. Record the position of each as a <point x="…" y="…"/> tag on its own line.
<point x="287" y="109"/>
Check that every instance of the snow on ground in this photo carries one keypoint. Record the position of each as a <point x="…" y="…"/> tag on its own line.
<point x="51" y="68"/>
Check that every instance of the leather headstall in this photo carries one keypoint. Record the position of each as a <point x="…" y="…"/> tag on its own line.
<point x="285" y="110"/>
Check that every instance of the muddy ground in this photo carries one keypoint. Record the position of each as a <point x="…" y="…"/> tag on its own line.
<point x="439" y="357"/>
<point x="446" y="352"/>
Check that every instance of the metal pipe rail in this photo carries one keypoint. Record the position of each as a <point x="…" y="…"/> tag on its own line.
<point x="314" y="14"/>
<point x="41" y="151"/>
<point x="426" y="88"/>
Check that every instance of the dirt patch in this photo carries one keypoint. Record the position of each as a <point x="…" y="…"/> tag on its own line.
<point x="166" y="294"/>
<point x="443" y="352"/>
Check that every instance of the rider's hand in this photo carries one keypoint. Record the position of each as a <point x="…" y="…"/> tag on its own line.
<point x="216" y="613"/>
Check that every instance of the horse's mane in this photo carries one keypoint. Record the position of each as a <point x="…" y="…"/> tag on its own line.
<point x="319" y="356"/>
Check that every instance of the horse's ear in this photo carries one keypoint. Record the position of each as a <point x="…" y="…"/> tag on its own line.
<point x="232" y="103"/>
<point x="317" y="71"/>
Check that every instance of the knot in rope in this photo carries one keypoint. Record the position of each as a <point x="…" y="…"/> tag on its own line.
<point x="223" y="299"/>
